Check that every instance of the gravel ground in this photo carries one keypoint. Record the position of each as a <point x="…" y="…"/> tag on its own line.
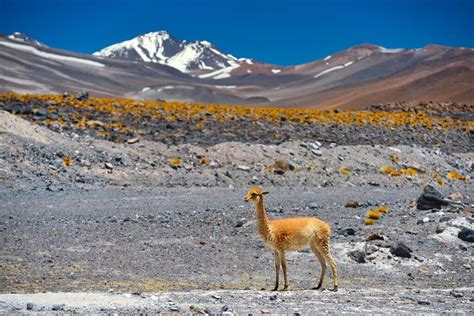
<point x="159" y="241"/>
<point x="151" y="227"/>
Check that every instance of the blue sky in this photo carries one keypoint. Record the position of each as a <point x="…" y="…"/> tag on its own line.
<point x="280" y="32"/>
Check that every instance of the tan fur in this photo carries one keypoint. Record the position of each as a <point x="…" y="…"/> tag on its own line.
<point x="291" y="234"/>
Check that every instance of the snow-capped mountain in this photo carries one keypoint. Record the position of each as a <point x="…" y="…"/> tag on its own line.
<point x="200" y="57"/>
<point x="352" y="78"/>
<point x="22" y="37"/>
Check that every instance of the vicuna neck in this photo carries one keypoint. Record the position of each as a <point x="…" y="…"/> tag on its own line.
<point x="262" y="219"/>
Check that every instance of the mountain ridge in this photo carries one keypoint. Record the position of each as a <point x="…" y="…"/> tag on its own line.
<point x="359" y="76"/>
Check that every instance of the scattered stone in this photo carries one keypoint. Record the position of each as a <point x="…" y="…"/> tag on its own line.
<point x="357" y="255"/>
<point x="352" y="203"/>
<point x="132" y="141"/>
<point x="466" y="234"/>
<point x="225" y="308"/>
<point x="423" y="302"/>
<point x="377" y="236"/>
<point x="314" y="206"/>
<point x="82" y="95"/>
<point x="273" y="297"/>
<point x="314" y="146"/>
<point x="243" y="168"/>
<point x="240" y="222"/>
<point x="109" y="166"/>
<point x="58" y="307"/>
<point x="456" y="196"/>
<point x="445" y="219"/>
<point x="332" y="145"/>
<point x="423" y="221"/>
<point x="399" y="249"/>
<point x="467" y="266"/>
<point x="292" y="165"/>
<point x="317" y="152"/>
<point x="456" y="293"/>
<point x="440" y="229"/>
<point x="31" y="306"/>
<point x="430" y="199"/>
<point x="265" y="311"/>
<point x="94" y="123"/>
<point x="175" y="308"/>
<point x="203" y="242"/>
<point x="347" y="231"/>
<point x="53" y="188"/>
<point x="216" y="297"/>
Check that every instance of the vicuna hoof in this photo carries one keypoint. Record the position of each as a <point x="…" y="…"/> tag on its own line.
<point x="334" y="289"/>
<point x="317" y="287"/>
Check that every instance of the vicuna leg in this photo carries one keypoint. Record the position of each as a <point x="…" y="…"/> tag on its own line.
<point x="322" y="262"/>
<point x="277" y="269"/>
<point x="285" y="274"/>
<point x="332" y="263"/>
<point x="325" y="251"/>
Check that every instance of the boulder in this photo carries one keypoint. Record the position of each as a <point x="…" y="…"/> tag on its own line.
<point x="466" y="234"/>
<point x="430" y="199"/>
<point x="399" y="249"/>
<point x="357" y="255"/>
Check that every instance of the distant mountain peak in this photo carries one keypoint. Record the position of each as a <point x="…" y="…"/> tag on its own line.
<point x="160" y="47"/>
<point x="22" y="37"/>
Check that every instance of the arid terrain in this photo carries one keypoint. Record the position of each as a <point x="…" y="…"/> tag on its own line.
<point x="113" y="205"/>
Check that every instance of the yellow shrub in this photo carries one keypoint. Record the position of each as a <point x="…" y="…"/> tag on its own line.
<point x="175" y="161"/>
<point x="383" y="209"/>
<point x="369" y="221"/>
<point x="345" y="171"/>
<point x="67" y="161"/>
<point x="454" y="175"/>
<point x="409" y="171"/>
<point x="374" y="214"/>
<point x="390" y="171"/>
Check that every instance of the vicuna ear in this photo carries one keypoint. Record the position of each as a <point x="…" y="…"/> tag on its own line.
<point x="265" y="192"/>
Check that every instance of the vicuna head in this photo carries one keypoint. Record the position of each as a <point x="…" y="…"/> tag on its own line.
<point x="254" y="195"/>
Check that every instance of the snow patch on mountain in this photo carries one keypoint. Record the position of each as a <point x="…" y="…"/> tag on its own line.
<point x="221" y="73"/>
<point x="22" y="37"/>
<point x="333" y="69"/>
<point x="390" y="50"/>
<point x="61" y="58"/>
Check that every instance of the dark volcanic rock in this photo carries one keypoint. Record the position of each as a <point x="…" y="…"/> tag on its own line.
<point x="456" y="293"/>
<point x="358" y="256"/>
<point x="399" y="249"/>
<point x="347" y="231"/>
<point x="58" y="307"/>
<point x="466" y="234"/>
<point x="31" y="306"/>
<point x="430" y="199"/>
